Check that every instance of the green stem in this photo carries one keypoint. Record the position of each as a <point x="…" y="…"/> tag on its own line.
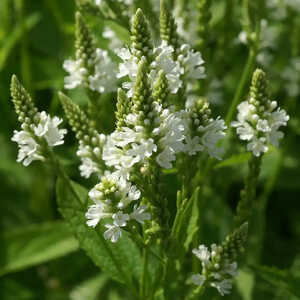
<point x="260" y="211"/>
<point x="242" y="84"/>
<point x="248" y="194"/>
<point x="143" y="287"/>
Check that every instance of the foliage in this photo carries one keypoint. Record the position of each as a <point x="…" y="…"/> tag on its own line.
<point x="48" y="251"/>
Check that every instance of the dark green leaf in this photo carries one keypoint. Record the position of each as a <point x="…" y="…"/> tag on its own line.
<point x="119" y="261"/>
<point x="35" y="244"/>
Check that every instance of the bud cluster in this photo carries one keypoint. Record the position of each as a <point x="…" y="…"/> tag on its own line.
<point x="219" y="264"/>
<point x="39" y="130"/>
<point x="258" y="119"/>
<point x="114" y="199"/>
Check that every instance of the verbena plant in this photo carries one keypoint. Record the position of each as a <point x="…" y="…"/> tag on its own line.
<point x="166" y="137"/>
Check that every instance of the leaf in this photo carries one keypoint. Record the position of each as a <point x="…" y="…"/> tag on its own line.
<point x="120" y="261"/>
<point x="13" y="38"/>
<point x="89" y="289"/>
<point x="235" y="159"/>
<point x="35" y="244"/>
<point x="280" y="279"/>
<point x="185" y="224"/>
<point x="193" y="220"/>
<point x="245" y="284"/>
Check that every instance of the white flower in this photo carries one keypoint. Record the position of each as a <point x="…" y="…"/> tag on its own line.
<point x="165" y="158"/>
<point x="193" y="145"/>
<point x="143" y="150"/>
<point x="197" y="279"/>
<point x="112" y="233"/>
<point x="95" y="213"/>
<point x="278" y="118"/>
<point x="274" y="136"/>
<point x="28" y="147"/>
<point x="127" y="147"/>
<point x="192" y="62"/>
<point x="245" y="111"/>
<point x="77" y="73"/>
<point x="244" y="130"/>
<point x="257" y="146"/>
<point x="48" y="128"/>
<point x="263" y="125"/>
<point x="129" y="68"/>
<point x="231" y="269"/>
<point x="139" y="214"/>
<point x="259" y="130"/>
<point x="120" y="219"/>
<point x="202" y="253"/>
<point x="129" y="193"/>
<point x="116" y="156"/>
<point x="88" y="167"/>
<point x="213" y="133"/>
<point x="104" y="78"/>
<point x="114" y="41"/>
<point x="205" y="138"/>
<point x="224" y="287"/>
<point x="164" y="61"/>
<point x="171" y="132"/>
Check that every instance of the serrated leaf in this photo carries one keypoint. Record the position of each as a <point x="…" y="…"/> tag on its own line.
<point x="35" y="244"/>
<point x="120" y="261"/>
<point x="280" y="279"/>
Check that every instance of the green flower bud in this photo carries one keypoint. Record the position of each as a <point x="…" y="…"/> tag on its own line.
<point x="234" y="243"/>
<point x="168" y="28"/>
<point x="123" y="108"/>
<point x="161" y="88"/>
<point x="259" y="88"/>
<point x="141" y="37"/>
<point x="78" y="120"/>
<point x="142" y="99"/>
<point x="84" y="45"/>
<point x="24" y="106"/>
<point x="204" y="16"/>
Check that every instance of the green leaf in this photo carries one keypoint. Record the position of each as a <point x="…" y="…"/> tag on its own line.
<point x="120" y="261"/>
<point x="245" y="284"/>
<point x="35" y="244"/>
<point x="280" y="279"/>
<point x="14" y="37"/>
<point x="89" y="289"/>
<point x="235" y="159"/>
<point x="192" y="225"/>
<point x="186" y="222"/>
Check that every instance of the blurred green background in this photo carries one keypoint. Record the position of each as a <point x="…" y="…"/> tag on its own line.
<point x="39" y="258"/>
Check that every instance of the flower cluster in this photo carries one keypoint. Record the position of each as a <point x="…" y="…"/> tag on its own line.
<point x="259" y="119"/>
<point x="92" y="67"/>
<point x="102" y="80"/>
<point x="113" y="199"/>
<point x="39" y="130"/>
<point x="189" y="64"/>
<point x="204" y="132"/>
<point x="30" y="138"/>
<point x="220" y="274"/>
<point x="219" y="266"/>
